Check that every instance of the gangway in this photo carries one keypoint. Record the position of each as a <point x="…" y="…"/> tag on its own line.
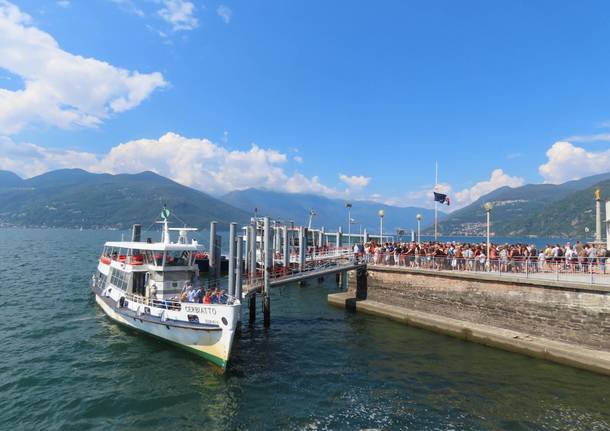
<point x="271" y="255"/>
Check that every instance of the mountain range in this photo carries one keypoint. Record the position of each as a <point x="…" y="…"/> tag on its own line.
<point x="74" y="198"/>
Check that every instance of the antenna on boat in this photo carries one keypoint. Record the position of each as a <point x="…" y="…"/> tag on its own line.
<point x="312" y="213"/>
<point x="165" y="215"/>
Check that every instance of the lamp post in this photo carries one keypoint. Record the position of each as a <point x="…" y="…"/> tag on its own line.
<point x="349" y="223"/>
<point x="419" y="218"/>
<point x="488" y="207"/>
<point x="381" y="213"/>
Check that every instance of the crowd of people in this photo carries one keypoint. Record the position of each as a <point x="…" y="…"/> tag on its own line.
<point x="473" y="256"/>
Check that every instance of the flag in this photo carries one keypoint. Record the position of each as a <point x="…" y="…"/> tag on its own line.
<point x="442" y="198"/>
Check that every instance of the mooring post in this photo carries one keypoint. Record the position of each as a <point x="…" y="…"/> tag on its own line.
<point x="231" y="288"/>
<point x="252" y="246"/>
<point x="239" y="264"/>
<point x="361" y="283"/>
<point x="267" y="273"/>
<point x="286" y="251"/>
<point x="301" y="249"/>
<point x="252" y="314"/>
<point x="339" y="235"/>
<point x="212" y="251"/>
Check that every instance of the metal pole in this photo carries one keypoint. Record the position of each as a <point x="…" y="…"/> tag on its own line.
<point x="286" y="253"/>
<point x="212" y="252"/>
<point x="240" y="263"/>
<point x="435" y="202"/>
<point x="381" y="231"/>
<point x="488" y="241"/>
<point x="418" y="231"/>
<point x="231" y="289"/>
<point x="267" y="273"/>
<point x="252" y="246"/>
<point x="302" y="249"/>
<point x="349" y="225"/>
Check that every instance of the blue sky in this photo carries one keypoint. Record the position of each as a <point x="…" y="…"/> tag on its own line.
<point x="346" y="99"/>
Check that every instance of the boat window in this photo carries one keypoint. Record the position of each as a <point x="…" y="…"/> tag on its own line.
<point x="119" y="279"/>
<point x="177" y="258"/>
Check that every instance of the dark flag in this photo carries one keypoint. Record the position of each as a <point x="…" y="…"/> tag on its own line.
<point x="442" y="198"/>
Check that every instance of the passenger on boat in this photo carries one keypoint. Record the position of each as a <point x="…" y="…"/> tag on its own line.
<point x="191" y="295"/>
<point x="207" y="299"/>
<point x="221" y="297"/>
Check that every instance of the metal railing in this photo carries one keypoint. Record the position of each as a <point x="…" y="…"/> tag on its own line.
<point x="581" y="270"/>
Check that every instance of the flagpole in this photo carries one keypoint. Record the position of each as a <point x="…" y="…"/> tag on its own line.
<point x="435" y="202"/>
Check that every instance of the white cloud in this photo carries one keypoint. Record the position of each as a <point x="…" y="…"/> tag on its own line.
<point x="355" y="181"/>
<point x="567" y="162"/>
<point x="600" y="137"/>
<point x="225" y="13"/>
<point x="129" y="7"/>
<point x="60" y="88"/>
<point x="198" y="163"/>
<point x="298" y="159"/>
<point x="28" y="159"/>
<point x="497" y="179"/>
<point x="180" y="14"/>
<point x="63" y="3"/>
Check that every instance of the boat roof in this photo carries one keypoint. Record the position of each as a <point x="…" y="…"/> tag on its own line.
<point x="156" y="246"/>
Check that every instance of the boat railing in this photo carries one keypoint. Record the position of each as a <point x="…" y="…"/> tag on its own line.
<point x="168" y="304"/>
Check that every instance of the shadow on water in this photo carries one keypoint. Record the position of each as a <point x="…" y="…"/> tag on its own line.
<point x="64" y="365"/>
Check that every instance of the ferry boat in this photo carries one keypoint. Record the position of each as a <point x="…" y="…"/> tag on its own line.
<point x="146" y="286"/>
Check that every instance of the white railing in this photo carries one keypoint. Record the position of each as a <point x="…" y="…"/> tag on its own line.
<point x="583" y="270"/>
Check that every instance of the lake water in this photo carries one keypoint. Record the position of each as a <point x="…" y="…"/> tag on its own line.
<point x="64" y="365"/>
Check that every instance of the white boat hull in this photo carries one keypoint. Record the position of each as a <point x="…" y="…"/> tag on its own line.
<point x="213" y="344"/>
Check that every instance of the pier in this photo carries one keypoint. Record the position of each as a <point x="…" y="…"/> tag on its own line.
<point x="554" y="311"/>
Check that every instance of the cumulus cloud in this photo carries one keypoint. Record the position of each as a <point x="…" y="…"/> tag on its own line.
<point x="497" y="179"/>
<point x="567" y="162"/>
<point x="225" y="13"/>
<point x="60" y="88"/>
<point x="180" y="14"/>
<point x="355" y="181"/>
<point x="198" y="163"/>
